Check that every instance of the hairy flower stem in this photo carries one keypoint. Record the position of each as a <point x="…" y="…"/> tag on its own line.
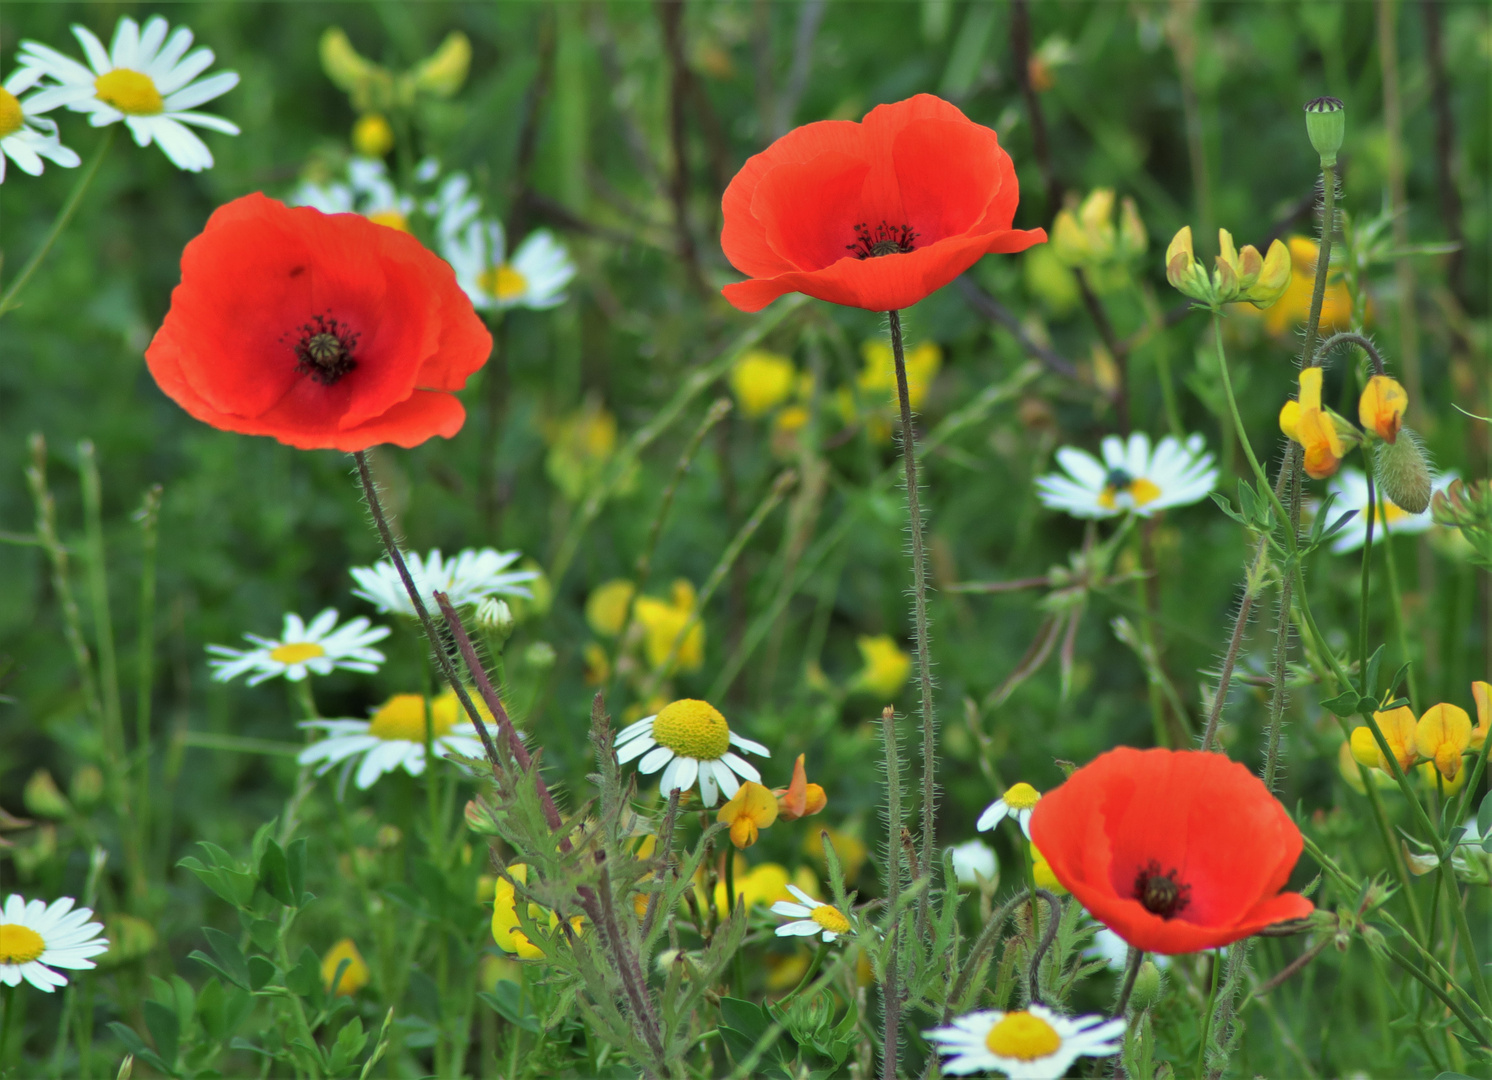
<point x="919" y="615"/>
<point x="982" y="944"/>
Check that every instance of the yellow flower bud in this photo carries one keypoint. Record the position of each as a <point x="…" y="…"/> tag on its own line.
<point x="372" y="135"/>
<point x="1442" y="735"/>
<point x="1381" y="407"/>
<point x="366" y="83"/>
<point x="354" y="977"/>
<point x="1273" y="276"/>
<point x="1132" y="235"/>
<point x="1180" y="260"/>
<point x="1365" y="747"/>
<point x="444" y="70"/>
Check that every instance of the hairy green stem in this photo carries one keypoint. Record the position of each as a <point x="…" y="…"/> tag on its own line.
<point x="919" y="615"/>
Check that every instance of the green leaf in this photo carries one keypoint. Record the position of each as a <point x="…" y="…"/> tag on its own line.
<point x="295" y="865"/>
<point x="350" y="1042"/>
<point x="212" y="1010"/>
<point x="261" y="972"/>
<point x="229" y="955"/>
<point x="1346" y="703"/>
<point x="305" y="978"/>
<point x="165" y="1029"/>
<point x="1484" y="817"/>
<point x="232" y="976"/>
<point x="1227" y="508"/>
<point x="136" y="1045"/>
<point x="274" y="874"/>
<point x="1370" y="682"/>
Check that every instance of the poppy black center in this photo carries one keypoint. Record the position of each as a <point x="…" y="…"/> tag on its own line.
<point x="324" y="350"/>
<point x="884" y="239"/>
<point x="1161" y="894"/>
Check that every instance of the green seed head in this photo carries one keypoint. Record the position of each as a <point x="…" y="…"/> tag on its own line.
<point x="1326" y="124"/>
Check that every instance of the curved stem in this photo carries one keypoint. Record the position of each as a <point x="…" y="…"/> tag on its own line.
<point x="1045" y="943"/>
<point x="1131" y="971"/>
<point x="919" y="613"/>
<point x="74" y="199"/>
<point x="1347" y="337"/>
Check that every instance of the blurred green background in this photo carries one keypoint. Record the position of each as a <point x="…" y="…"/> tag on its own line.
<point x="568" y="121"/>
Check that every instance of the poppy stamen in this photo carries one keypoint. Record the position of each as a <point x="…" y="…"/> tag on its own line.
<point x="1161" y="894"/>
<point x="883" y="240"/>
<point x="324" y="351"/>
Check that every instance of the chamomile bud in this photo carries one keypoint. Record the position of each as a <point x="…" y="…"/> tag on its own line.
<point x="1403" y="472"/>
<point x="1326" y="124"/>
<point x="494" y="616"/>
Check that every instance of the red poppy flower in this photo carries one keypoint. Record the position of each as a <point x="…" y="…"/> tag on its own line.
<point x="871" y="215"/>
<point x="1174" y="850"/>
<point x="325" y="331"/>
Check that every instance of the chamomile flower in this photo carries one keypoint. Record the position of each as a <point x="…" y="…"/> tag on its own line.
<point x="1130" y="478"/>
<point x="1018" y="801"/>
<point x="394" y="738"/>
<point x="25" y="137"/>
<point x="143" y="79"/>
<point x="1351" y="489"/>
<point x="974" y="864"/>
<point x="315" y="649"/>
<point x="466" y="578"/>
<point x="693" y="740"/>
<point x="535" y="277"/>
<point x="454" y="206"/>
<point x="36" y="938"/>
<point x="1029" y="1044"/>
<point x="366" y="189"/>
<point x="810" y="918"/>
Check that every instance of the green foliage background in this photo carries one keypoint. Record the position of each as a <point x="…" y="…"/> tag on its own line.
<point x="251" y="529"/>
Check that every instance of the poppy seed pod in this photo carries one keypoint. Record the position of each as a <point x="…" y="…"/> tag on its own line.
<point x="1326" y="124"/>
<point x="1403" y="473"/>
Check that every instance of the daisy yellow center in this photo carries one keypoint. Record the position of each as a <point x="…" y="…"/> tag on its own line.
<point x="1119" y="482"/>
<point x="503" y="282"/>
<point x="1021" y="796"/>
<point x="1024" y="1037"/>
<point x="692" y="729"/>
<point x="830" y="919"/>
<point x="392" y="218"/>
<point x="19" y="944"/>
<point x="11" y="117"/>
<point x="403" y="718"/>
<point x="131" y="92"/>
<point x="296" y="652"/>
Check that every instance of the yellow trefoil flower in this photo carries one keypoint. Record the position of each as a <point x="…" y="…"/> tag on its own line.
<point x="1399" y="731"/>
<point x="1294" y="307"/>
<point x="877" y="380"/>
<point x="1442" y="736"/>
<point x="752" y="809"/>
<point x="1381" y="407"/>
<point x="373" y="135"/>
<point x="886" y="666"/>
<point x="1325" y="436"/>
<point x="800" y="798"/>
<point x="664" y="620"/>
<point x="606" y="607"/>
<point x="354" y="977"/>
<point x="1088" y="236"/>
<point x="1239" y="275"/>
<point x="505" y="924"/>
<point x="761" y="381"/>
<point x="1041" y="873"/>
<point x="580" y="446"/>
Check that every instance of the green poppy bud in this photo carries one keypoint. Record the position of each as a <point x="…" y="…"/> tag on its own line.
<point x="1403" y="472"/>
<point x="1326" y="124"/>
<point x="1148" y="987"/>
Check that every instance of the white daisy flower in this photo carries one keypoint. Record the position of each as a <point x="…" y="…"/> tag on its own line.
<point x="810" y="918"/>
<point x="35" y="938"/>
<point x="366" y="190"/>
<point x="974" y="863"/>
<point x="25" y="137"/>
<point x="535" y="277"/>
<point x="144" y="80"/>
<point x="394" y="738"/>
<point x="1130" y="478"/>
<point x="453" y="208"/>
<point x="694" y="741"/>
<point x="466" y="578"/>
<point x="316" y="649"/>
<point x="1030" y="1044"/>
<point x="1351" y="488"/>
<point x="1018" y="801"/>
